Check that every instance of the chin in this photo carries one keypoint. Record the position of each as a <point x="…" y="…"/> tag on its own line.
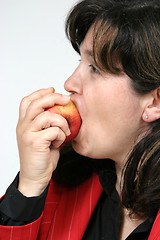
<point x="82" y="148"/>
<point x="82" y="145"/>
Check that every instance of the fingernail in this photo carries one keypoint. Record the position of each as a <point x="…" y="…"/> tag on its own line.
<point x="51" y="88"/>
<point x="68" y="132"/>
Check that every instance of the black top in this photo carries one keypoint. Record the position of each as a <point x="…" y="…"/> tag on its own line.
<point x="16" y="209"/>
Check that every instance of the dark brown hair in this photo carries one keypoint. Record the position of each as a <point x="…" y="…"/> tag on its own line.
<point x="131" y="30"/>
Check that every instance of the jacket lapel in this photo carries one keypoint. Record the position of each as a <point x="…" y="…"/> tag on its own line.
<point x="75" y="209"/>
<point x="155" y="231"/>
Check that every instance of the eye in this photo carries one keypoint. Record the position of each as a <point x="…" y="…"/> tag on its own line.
<point x="93" y="68"/>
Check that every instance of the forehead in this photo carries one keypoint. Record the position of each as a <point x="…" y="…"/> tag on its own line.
<point x="86" y="46"/>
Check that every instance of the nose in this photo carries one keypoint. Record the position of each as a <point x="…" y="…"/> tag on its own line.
<point x="74" y="83"/>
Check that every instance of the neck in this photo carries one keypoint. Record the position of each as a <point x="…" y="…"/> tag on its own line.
<point x="119" y="182"/>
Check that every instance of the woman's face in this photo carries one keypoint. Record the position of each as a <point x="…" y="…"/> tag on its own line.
<point x="110" y="109"/>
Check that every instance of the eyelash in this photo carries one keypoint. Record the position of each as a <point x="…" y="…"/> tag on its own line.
<point x="93" y="68"/>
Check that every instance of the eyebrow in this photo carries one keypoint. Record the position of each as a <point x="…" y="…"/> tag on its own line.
<point x="89" y="53"/>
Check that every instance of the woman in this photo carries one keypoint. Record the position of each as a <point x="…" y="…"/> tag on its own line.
<point x="108" y="187"/>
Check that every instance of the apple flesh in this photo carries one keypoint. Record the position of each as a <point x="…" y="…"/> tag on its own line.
<point x="71" y="114"/>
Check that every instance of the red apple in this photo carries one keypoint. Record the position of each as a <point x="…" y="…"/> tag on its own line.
<point x="71" y="114"/>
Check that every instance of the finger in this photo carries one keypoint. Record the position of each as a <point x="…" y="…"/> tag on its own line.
<point x="54" y="136"/>
<point x="49" y="119"/>
<point x="40" y="105"/>
<point x="26" y="101"/>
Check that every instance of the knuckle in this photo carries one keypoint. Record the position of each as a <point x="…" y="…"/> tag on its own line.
<point x="65" y="124"/>
<point x="32" y="108"/>
<point x="61" y="135"/>
<point x="18" y="129"/>
<point x="23" y="106"/>
<point x="47" y="115"/>
<point x="36" y="105"/>
<point x="58" y="133"/>
<point x="33" y="104"/>
<point x="24" y="102"/>
<point x="45" y="119"/>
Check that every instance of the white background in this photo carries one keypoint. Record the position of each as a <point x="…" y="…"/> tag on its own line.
<point x="34" y="54"/>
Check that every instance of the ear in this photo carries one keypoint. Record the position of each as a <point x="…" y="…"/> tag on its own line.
<point x="152" y="110"/>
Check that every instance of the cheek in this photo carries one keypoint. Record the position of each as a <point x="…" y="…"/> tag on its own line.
<point x="113" y="117"/>
<point x="131" y="109"/>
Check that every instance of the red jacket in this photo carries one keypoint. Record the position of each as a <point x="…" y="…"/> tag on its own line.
<point x="66" y="215"/>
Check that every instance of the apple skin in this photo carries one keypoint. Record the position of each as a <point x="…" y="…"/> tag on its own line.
<point x="71" y="114"/>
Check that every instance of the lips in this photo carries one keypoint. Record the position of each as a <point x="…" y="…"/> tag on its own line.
<point x="78" y="103"/>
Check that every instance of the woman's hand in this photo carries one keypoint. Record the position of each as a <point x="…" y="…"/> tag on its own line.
<point x="40" y="134"/>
